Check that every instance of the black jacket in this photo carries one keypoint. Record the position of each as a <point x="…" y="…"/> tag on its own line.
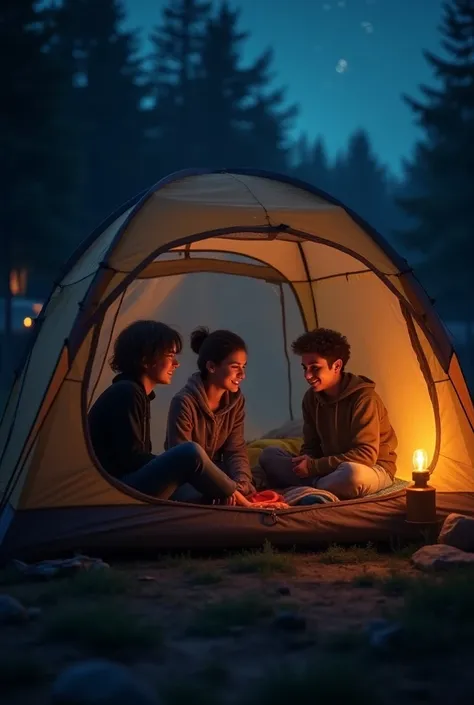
<point x="119" y="427"/>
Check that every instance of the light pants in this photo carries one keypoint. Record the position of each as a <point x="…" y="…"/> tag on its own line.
<point x="347" y="481"/>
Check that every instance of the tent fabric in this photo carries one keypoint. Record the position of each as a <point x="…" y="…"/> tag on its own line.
<point x="267" y="257"/>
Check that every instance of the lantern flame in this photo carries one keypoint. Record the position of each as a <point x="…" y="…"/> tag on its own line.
<point x="420" y="460"/>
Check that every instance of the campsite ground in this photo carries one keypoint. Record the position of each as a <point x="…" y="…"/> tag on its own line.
<point x="230" y="629"/>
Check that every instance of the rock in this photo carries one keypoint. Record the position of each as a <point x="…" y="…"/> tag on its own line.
<point x="100" y="682"/>
<point x="290" y="622"/>
<point x="12" y="611"/>
<point x="458" y="531"/>
<point x="283" y="590"/>
<point x="441" y="557"/>
<point x="382" y="633"/>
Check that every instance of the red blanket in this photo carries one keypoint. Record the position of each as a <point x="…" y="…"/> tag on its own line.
<point x="265" y="497"/>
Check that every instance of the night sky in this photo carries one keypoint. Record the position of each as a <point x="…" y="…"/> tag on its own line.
<point x="345" y="62"/>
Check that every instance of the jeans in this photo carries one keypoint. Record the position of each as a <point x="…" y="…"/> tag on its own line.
<point x="186" y="463"/>
<point x="347" y="481"/>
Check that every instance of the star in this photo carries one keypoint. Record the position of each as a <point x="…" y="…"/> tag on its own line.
<point x="341" y="66"/>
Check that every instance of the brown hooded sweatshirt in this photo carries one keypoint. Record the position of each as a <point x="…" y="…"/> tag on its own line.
<point x="220" y="433"/>
<point x="352" y="427"/>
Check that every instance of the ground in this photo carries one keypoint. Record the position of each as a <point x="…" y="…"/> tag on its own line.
<point x="230" y="629"/>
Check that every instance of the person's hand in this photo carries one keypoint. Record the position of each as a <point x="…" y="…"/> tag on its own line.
<point x="231" y="501"/>
<point x="301" y="466"/>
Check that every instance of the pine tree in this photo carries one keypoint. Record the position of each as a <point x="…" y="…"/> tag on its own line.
<point x="32" y="144"/>
<point x="30" y="135"/>
<point x="104" y="104"/>
<point x="210" y="110"/>
<point x="442" y="209"/>
<point x="177" y="47"/>
<point x="361" y="183"/>
<point x="242" y="121"/>
<point x="312" y="163"/>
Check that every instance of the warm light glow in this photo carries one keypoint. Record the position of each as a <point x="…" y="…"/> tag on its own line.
<point x="27" y="322"/>
<point x="37" y="308"/>
<point x="420" y="460"/>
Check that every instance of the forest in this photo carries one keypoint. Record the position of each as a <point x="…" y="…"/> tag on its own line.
<point x="88" y="121"/>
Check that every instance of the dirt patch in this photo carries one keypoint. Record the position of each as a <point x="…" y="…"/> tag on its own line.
<point x="229" y="629"/>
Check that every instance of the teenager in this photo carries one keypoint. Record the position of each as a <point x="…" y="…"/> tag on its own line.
<point x="348" y="442"/>
<point x="145" y="355"/>
<point x="210" y="409"/>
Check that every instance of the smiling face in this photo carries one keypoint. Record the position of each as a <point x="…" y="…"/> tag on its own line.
<point x="162" y="368"/>
<point x="228" y="374"/>
<point x="320" y="375"/>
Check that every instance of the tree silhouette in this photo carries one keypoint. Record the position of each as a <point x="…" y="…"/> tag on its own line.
<point x="441" y="211"/>
<point x="103" y="104"/>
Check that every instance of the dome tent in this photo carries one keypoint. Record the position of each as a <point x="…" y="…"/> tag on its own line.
<point x="267" y="256"/>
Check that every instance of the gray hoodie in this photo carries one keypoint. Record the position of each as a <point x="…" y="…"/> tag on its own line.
<point x="220" y="433"/>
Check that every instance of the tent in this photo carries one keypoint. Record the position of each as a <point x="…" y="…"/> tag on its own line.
<point x="267" y="256"/>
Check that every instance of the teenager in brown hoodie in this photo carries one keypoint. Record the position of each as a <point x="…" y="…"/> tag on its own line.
<point x="210" y="409"/>
<point x="348" y="442"/>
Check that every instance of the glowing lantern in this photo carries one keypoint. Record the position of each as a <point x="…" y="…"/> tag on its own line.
<point x="421" y="497"/>
<point x="27" y="322"/>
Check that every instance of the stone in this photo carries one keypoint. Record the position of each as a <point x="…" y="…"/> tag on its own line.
<point x="12" y="611"/>
<point x="290" y="622"/>
<point x="441" y="557"/>
<point x="283" y="590"/>
<point x="100" y="682"/>
<point x="458" y="531"/>
<point x="382" y="633"/>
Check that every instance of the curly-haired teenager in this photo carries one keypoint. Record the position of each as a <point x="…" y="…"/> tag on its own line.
<point x="348" y="442"/>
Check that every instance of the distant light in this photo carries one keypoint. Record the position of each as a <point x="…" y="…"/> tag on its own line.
<point x="341" y="66"/>
<point x="27" y="322"/>
<point x="37" y="308"/>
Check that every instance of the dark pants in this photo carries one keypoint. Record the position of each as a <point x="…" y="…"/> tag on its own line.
<point x="188" y="464"/>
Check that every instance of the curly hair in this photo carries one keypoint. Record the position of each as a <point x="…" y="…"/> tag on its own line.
<point x="141" y="342"/>
<point x="327" y="343"/>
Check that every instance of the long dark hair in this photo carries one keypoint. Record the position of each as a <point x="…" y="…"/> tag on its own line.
<point x="214" y="347"/>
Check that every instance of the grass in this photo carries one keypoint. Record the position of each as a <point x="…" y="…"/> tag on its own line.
<point x="204" y="688"/>
<point x="203" y="577"/>
<point x="366" y="579"/>
<point x="438" y="614"/>
<point x="395" y="584"/>
<point x="266" y="561"/>
<point x="219" y="618"/>
<point x="105" y="628"/>
<point x="84" y="584"/>
<point x="19" y="670"/>
<point x="342" y="555"/>
<point x="327" y="681"/>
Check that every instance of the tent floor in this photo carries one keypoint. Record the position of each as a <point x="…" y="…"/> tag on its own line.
<point x="145" y="528"/>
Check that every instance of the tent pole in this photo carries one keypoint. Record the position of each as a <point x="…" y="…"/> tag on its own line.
<point x="285" y="346"/>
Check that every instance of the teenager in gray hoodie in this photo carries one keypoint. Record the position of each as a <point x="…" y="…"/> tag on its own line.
<point x="210" y="409"/>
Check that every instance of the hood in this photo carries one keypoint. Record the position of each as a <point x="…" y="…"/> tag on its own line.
<point x="350" y="384"/>
<point x="126" y="378"/>
<point x="195" y="388"/>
